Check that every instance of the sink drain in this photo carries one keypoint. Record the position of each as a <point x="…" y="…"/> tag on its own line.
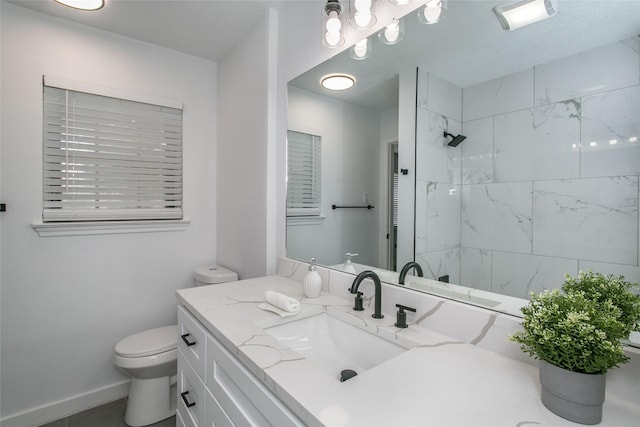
<point x="347" y="374"/>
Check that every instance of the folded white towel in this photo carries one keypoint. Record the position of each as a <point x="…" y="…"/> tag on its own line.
<point x="272" y="308"/>
<point x="282" y="301"/>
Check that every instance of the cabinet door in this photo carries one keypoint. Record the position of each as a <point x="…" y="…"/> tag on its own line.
<point x="214" y="414"/>
<point x="179" y="422"/>
<point x="192" y="340"/>
<point x="191" y="394"/>
<point x="243" y="397"/>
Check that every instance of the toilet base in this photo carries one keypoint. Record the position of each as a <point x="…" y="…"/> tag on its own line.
<point x="150" y="401"/>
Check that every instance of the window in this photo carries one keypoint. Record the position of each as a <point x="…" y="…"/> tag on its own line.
<point x="106" y="158"/>
<point x="303" y="174"/>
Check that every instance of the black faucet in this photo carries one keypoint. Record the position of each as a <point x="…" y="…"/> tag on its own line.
<point x="408" y="266"/>
<point x="378" y="289"/>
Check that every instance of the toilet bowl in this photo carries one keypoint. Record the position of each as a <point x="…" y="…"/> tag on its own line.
<point x="150" y="358"/>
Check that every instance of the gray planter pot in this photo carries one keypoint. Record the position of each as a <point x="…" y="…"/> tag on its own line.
<point x="572" y="395"/>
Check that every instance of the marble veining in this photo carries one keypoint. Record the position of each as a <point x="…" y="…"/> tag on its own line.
<point x="611" y="133"/>
<point x="539" y="143"/>
<point x="490" y="207"/>
<point x="601" y="69"/>
<point x="477" y="151"/>
<point x="442" y="163"/>
<point x="441" y="262"/>
<point x="498" y="96"/>
<point x="587" y="219"/>
<point x="485" y="329"/>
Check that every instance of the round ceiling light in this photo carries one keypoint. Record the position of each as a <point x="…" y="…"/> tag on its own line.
<point x="83" y="4"/>
<point x="338" y="81"/>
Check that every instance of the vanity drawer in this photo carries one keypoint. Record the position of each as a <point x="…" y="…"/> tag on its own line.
<point x="192" y="340"/>
<point x="191" y="394"/>
<point x="244" y="398"/>
<point x="214" y="414"/>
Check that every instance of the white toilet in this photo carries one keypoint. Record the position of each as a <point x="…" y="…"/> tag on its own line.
<point x="150" y="357"/>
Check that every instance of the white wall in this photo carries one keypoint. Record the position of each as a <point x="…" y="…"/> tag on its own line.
<point x="350" y="167"/>
<point x="66" y="301"/>
<point x="243" y="149"/>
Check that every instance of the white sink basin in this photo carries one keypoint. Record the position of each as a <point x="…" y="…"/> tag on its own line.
<point x="335" y="345"/>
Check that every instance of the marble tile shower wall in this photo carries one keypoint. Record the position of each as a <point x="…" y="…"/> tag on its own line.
<point x="546" y="183"/>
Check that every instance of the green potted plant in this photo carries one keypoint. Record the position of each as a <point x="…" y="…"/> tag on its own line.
<point x="576" y="334"/>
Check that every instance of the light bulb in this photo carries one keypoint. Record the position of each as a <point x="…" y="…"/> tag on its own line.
<point x="432" y="12"/>
<point x="333" y="23"/>
<point x="83" y="4"/>
<point x="392" y="32"/>
<point x="360" y="48"/>
<point x="362" y="19"/>
<point x="332" y="39"/>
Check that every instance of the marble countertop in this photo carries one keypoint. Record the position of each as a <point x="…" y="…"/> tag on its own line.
<point x="438" y="381"/>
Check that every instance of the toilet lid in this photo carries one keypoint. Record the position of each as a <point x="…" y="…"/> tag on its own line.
<point x="147" y="343"/>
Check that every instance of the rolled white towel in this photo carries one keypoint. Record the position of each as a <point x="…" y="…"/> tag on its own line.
<point x="282" y="301"/>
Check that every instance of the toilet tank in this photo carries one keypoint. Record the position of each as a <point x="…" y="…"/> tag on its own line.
<point x="213" y="274"/>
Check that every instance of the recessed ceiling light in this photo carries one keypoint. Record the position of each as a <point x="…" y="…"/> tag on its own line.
<point x="83" y="4"/>
<point x="338" y="81"/>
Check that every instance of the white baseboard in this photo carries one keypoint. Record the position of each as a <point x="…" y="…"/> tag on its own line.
<point x="64" y="408"/>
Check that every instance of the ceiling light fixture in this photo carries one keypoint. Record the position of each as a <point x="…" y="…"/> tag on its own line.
<point x="361" y="50"/>
<point x="431" y="12"/>
<point x="338" y="81"/>
<point x="392" y="33"/>
<point x="362" y="15"/>
<point x="525" y="12"/>
<point x="83" y="4"/>
<point x="332" y="24"/>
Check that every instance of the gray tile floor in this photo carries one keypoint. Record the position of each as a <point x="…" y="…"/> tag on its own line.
<point x="109" y="415"/>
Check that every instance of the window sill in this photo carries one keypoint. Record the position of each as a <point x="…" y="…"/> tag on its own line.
<point x="52" y="229"/>
<point x="305" y="220"/>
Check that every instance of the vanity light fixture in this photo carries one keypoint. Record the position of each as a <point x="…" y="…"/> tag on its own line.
<point x="361" y="50"/>
<point x="83" y="4"/>
<point x="392" y="33"/>
<point x="338" y="81"/>
<point x="525" y="12"/>
<point x="400" y="2"/>
<point x="362" y="15"/>
<point x="332" y="24"/>
<point x="431" y="12"/>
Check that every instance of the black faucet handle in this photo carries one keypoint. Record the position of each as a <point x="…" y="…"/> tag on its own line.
<point x="358" y="305"/>
<point x="401" y="316"/>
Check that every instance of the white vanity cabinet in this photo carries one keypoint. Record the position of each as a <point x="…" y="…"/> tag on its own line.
<point x="215" y="389"/>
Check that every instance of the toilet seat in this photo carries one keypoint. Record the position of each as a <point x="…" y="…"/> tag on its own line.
<point x="148" y="343"/>
<point x="166" y="358"/>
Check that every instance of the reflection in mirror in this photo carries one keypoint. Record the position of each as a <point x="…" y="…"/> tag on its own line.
<point x="546" y="181"/>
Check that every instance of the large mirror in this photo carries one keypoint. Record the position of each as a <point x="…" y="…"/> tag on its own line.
<point x="545" y="183"/>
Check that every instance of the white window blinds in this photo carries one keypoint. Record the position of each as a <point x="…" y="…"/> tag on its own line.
<point x="303" y="174"/>
<point x="110" y="159"/>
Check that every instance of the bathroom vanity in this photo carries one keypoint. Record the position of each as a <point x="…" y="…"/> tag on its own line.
<point x="453" y="365"/>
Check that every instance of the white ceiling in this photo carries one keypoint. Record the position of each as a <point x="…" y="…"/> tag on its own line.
<point x="203" y="28"/>
<point x="467" y="47"/>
